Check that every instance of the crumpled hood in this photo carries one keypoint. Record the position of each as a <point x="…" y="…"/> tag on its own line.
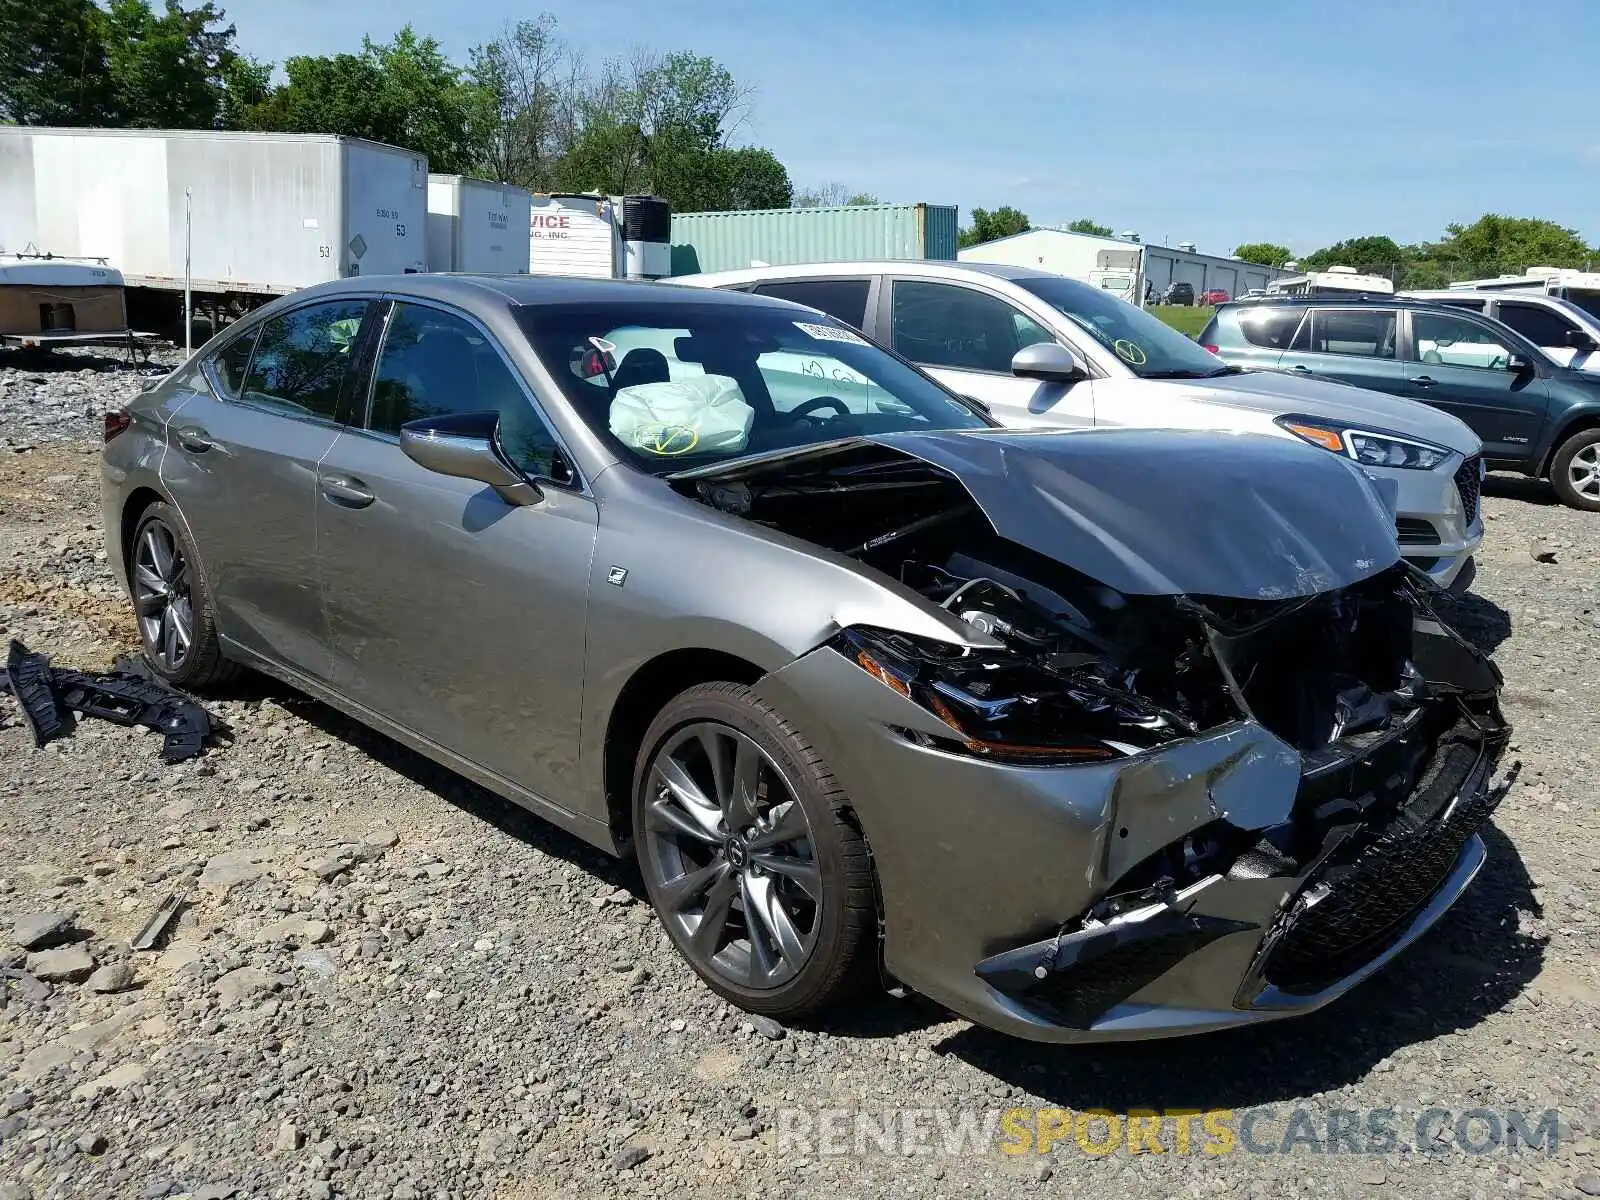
<point x="1281" y="392"/>
<point x="1149" y="511"/>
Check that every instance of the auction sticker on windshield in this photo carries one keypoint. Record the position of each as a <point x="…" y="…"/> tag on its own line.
<point x="1130" y="352"/>
<point x="830" y="333"/>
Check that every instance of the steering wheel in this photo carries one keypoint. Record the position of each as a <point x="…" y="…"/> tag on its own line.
<point x="805" y="411"/>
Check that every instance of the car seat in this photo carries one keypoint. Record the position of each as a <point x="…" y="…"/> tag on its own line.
<point x="640" y="365"/>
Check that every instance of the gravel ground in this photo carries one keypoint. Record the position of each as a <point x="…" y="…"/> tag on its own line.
<point x="390" y="984"/>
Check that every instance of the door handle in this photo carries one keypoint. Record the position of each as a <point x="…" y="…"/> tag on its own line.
<point x="1423" y="381"/>
<point x="343" y="490"/>
<point x="195" y="439"/>
<point x="1304" y="370"/>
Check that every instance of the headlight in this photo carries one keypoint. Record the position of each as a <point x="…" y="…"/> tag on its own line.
<point x="1366" y="447"/>
<point x="1000" y="708"/>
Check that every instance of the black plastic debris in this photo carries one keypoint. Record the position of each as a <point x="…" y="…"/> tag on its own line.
<point x="127" y="695"/>
<point x="160" y="921"/>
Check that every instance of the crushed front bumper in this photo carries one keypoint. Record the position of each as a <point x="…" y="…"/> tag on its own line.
<point x="1234" y="951"/>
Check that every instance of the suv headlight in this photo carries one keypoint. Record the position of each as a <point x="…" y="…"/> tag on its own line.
<point x="1365" y="446"/>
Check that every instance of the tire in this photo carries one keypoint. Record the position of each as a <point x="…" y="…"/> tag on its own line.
<point x="840" y="940"/>
<point x="1578" y="456"/>
<point x="200" y="663"/>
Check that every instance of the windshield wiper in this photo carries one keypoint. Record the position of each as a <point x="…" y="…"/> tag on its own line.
<point x="1185" y="373"/>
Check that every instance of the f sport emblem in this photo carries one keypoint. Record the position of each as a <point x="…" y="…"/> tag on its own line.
<point x="618" y="576"/>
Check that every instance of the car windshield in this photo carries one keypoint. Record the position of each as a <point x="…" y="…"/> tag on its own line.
<point x="676" y="385"/>
<point x="1148" y="347"/>
<point x="1585" y="298"/>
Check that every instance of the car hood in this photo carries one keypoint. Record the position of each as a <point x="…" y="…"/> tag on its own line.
<point x="1280" y="392"/>
<point x="1143" y="511"/>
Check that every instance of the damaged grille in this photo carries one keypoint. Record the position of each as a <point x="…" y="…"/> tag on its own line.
<point x="1358" y="903"/>
<point x="1469" y="485"/>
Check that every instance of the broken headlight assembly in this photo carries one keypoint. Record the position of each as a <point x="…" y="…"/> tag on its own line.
<point x="1003" y="708"/>
<point x="1367" y="447"/>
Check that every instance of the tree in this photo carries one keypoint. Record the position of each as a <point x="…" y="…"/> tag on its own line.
<point x="988" y="226"/>
<point x="167" y="71"/>
<point x="533" y="83"/>
<point x="1267" y="254"/>
<point x="1499" y="245"/>
<point x="1373" y="255"/>
<point x="53" y="64"/>
<point x="1086" y="225"/>
<point x="751" y="178"/>
<point x="404" y="92"/>
<point x="832" y="194"/>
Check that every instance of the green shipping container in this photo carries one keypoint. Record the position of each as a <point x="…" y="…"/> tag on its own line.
<point x="725" y="241"/>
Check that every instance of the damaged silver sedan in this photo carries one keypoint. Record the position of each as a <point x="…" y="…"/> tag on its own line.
<point x="1085" y="735"/>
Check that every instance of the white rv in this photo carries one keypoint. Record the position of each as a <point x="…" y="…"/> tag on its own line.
<point x="1562" y="283"/>
<point x="1335" y="281"/>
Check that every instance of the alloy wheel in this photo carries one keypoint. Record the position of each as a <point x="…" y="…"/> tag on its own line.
<point x="729" y="856"/>
<point x="161" y="596"/>
<point x="1583" y="471"/>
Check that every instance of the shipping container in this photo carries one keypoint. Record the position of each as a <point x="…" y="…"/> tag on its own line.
<point x="475" y="225"/>
<point x="724" y="241"/>
<point x="271" y="212"/>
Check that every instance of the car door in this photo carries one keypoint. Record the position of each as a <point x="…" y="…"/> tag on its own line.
<point x="1463" y="365"/>
<point x="1353" y="345"/>
<point x="1548" y="329"/>
<point x="241" y="467"/>
<point x="450" y="611"/>
<point x="965" y="338"/>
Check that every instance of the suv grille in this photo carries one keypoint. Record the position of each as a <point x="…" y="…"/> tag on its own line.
<point x="1468" y="484"/>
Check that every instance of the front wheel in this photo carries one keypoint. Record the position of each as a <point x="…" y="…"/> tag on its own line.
<point x="1575" y="470"/>
<point x="750" y="857"/>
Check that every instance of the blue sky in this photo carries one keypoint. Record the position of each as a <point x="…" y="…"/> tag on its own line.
<point x="1215" y="122"/>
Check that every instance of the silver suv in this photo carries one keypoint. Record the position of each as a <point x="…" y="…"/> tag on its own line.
<point x="1042" y="350"/>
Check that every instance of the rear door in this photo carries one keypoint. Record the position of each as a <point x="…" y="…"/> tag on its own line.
<point x="848" y="298"/>
<point x="965" y="338"/>
<point x="1461" y="364"/>
<point x="456" y="614"/>
<point x="242" y="468"/>
<point x="1265" y="333"/>
<point x="1353" y="345"/>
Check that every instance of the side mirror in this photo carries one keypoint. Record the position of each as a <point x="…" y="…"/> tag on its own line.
<point x="1518" y="363"/>
<point x="463" y="446"/>
<point x="1577" y="339"/>
<point x="1050" y="362"/>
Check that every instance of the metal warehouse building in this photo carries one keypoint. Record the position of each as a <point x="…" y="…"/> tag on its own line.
<point x="1082" y="255"/>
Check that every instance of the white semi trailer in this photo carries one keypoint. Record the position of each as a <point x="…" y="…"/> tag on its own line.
<point x="255" y="215"/>
<point x="477" y="226"/>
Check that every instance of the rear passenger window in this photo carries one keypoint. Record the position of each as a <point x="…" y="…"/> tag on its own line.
<point x="230" y="364"/>
<point x="1539" y="325"/>
<point x="1357" y="332"/>
<point x="1271" y="328"/>
<point x="844" y="299"/>
<point x="303" y="358"/>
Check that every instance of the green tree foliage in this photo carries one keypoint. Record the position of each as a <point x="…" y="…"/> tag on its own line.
<point x="1375" y="255"/>
<point x="1498" y="245"/>
<point x="1267" y="254"/>
<point x="167" y="71"/>
<point x="1086" y="225"/>
<point x="987" y="226"/>
<point x="53" y="64"/>
<point x="832" y="194"/>
<point x="533" y="84"/>
<point x="403" y="92"/>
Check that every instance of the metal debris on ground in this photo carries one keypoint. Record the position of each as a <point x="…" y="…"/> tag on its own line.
<point x="126" y="695"/>
<point x="160" y="921"/>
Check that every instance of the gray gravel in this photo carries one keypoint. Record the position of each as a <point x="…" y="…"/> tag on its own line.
<point x="389" y="984"/>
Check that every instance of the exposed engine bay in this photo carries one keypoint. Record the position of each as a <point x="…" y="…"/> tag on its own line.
<point x="1393" y="716"/>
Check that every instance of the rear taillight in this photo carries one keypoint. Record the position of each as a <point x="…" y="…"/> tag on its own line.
<point x="117" y="420"/>
<point x="1209" y="349"/>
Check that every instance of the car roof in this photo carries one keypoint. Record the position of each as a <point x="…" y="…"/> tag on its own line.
<point x="920" y="268"/>
<point x="528" y="290"/>
<point x="1361" y="301"/>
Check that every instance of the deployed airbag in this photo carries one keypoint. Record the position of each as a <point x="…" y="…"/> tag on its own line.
<point x="700" y="414"/>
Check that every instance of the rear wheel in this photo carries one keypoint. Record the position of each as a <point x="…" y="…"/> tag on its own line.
<point x="1575" y="470"/>
<point x="749" y="855"/>
<point x="172" y="604"/>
